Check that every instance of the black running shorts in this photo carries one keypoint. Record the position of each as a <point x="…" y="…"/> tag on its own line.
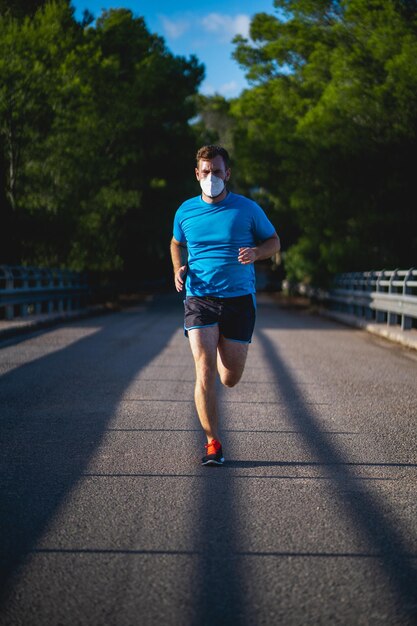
<point x="235" y="317"/>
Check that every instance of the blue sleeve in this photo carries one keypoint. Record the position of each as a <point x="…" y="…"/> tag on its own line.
<point x="262" y="227"/>
<point x="177" y="230"/>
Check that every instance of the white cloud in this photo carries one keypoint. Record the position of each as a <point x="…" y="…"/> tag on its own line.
<point x="207" y="89"/>
<point x="222" y="27"/>
<point x="230" y="89"/>
<point x="226" y="26"/>
<point x="174" y="29"/>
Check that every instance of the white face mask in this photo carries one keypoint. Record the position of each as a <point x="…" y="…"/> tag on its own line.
<point x="212" y="185"/>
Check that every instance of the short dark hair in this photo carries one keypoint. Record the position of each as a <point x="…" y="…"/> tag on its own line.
<point x="210" y="152"/>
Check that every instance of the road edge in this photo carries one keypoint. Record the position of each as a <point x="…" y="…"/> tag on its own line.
<point x="407" y="338"/>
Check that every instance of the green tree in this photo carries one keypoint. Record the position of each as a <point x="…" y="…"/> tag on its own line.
<point x="214" y="124"/>
<point x="20" y="8"/>
<point x="328" y="131"/>
<point x="147" y="105"/>
<point x="94" y="129"/>
<point x="30" y="52"/>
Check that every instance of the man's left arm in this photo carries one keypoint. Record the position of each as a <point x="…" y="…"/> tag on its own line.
<point x="264" y="250"/>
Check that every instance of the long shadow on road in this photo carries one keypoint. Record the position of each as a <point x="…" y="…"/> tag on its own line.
<point x="219" y="597"/>
<point x="360" y="505"/>
<point x="55" y="411"/>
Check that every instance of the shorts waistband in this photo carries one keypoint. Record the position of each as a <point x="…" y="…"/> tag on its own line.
<point x="221" y="299"/>
<point x="211" y="298"/>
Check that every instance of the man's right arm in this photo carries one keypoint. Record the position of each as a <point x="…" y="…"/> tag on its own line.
<point x="179" y="263"/>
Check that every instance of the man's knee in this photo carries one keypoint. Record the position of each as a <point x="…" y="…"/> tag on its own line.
<point x="230" y="379"/>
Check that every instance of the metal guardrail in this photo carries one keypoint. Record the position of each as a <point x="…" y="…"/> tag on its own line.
<point x="383" y="296"/>
<point x="26" y="291"/>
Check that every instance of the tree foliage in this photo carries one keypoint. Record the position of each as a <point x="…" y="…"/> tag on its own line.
<point x="95" y="141"/>
<point x="327" y="133"/>
<point x="215" y="124"/>
<point x="20" y="8"/>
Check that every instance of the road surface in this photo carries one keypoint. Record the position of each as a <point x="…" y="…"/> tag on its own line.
<point x="107" y="517"/>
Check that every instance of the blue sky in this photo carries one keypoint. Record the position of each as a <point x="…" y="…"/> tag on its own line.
<point x="190" y="27"/>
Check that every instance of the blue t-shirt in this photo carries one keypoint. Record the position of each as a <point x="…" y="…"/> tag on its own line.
<point x="213" y="234"/>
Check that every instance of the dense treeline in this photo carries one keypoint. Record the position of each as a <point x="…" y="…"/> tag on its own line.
<point x="96" y="145"/>
<point x="328" y="133"/>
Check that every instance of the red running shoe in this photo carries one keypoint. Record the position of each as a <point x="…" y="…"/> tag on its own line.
<point x="214" y="454"/>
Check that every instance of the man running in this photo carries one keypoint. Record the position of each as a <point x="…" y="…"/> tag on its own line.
<point x="222" y="234"/>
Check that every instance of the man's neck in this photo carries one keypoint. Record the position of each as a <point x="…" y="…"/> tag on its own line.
<point x="218" y="198"/>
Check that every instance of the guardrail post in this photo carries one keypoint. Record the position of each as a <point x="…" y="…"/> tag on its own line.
<point x="356" y="308"/>
<point x="362" y="282"/>
<point x="51" y="279"/>
<point x="25" y="285"/>
<point x="351" y="287"/>
<point x="379" y="315"/>
<point x="406" y="320"/>
<point x="392" y="318"/>
<point x="38" y="285"/>
<point x="370" y="281"/>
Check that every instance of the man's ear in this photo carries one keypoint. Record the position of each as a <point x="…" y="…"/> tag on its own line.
<point x="197" y="173"/>
<point x="228" y="174"/>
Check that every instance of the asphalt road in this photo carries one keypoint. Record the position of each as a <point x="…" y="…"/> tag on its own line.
<point x="107" y="517"/>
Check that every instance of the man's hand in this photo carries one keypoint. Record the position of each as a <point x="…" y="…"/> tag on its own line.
<point x="264" y="250"/>
<point x="247" y="255"/>
<point x="179" y="278"/>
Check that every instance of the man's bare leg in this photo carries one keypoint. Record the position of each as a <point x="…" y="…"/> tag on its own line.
<point x="231" y="360"/>
<point x="203" y="343"/>
<point x="213" y="353"/>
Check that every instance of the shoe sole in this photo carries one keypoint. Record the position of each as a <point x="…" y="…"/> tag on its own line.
<point x="213" y="462"/>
